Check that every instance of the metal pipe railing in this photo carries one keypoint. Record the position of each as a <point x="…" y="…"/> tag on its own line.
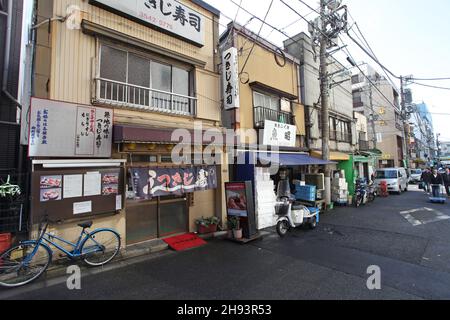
<point x="261" y="114"/>
<point x="134" y="96"/>
<point x="128" y="95"/>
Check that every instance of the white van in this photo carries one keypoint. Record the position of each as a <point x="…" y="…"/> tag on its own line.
<point x="396" y="179"/>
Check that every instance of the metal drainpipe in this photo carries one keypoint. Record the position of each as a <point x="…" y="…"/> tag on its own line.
<point x="7" y="54"/>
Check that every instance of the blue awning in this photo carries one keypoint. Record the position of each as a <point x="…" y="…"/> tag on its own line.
<point x="291" y="159"/>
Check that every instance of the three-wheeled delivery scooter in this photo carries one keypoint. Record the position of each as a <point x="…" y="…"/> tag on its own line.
<point x="292" y="215"/>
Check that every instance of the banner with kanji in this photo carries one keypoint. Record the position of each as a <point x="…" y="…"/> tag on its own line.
<point x="158" y="182"/>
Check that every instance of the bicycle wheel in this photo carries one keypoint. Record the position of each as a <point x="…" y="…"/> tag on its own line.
<point x="100" y="247"/>
<point x="18" y="267"/>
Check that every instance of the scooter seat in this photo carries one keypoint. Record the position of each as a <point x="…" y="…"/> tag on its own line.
<point x="297" y="208"/>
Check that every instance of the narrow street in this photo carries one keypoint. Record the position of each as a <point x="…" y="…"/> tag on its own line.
<point x="412" y="249"/>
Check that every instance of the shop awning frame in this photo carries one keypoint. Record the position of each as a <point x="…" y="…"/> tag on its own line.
<point x="291" y="159"/>
<point x="334" y="155"/>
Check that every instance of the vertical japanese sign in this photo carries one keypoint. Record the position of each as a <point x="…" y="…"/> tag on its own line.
<point x="59" y="129"/>
<point x="167" y="15"/>
<point x="230" y="73"/>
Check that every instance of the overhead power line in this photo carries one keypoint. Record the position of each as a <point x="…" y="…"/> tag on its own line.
<point x="371" y="56"/>
<point x="430" y="79"/>
<point x="429" y="86"/>
<point x="257" y="37"/>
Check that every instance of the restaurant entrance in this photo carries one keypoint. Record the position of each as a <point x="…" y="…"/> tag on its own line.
<point x="158" y="218"/>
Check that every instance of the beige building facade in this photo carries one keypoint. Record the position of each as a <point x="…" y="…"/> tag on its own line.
<point x="157" y="76"/>
<point x="268" y="89"/>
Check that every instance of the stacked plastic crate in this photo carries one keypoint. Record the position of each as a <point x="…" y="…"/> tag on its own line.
<point x="265" y="199"/>
<point x="339" y="191"/>
<point x="305" y="193"/>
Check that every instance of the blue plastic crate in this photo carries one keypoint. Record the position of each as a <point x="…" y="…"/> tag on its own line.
<point x="305" y="193"/>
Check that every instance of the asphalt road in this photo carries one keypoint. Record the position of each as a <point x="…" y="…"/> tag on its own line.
<point x="406" y="236"/>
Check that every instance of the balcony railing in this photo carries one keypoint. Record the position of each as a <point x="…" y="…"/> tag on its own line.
<point x="340" y="136"/>
<point x="364" y="145"/>
<point x="261" y="114"/>
<point x="119" y="94"/>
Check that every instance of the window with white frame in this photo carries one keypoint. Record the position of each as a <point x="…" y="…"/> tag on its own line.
<point x="132" y="78"/>
<point x="266" y="101"/>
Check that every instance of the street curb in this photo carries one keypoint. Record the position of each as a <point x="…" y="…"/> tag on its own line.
<point x="58" y="268"/>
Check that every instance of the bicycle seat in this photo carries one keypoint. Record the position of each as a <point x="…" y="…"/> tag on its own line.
<point x="86" y="224"/>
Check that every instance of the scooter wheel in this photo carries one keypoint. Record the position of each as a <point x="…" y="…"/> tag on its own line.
<point x="313" y="224"/>
<point x="282" y="228"/>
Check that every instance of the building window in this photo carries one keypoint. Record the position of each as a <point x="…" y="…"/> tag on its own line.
<point x="132" y="79"/>
<point x="273" y="108"/>
<point x="356" y="79"/>
<point x="266" y="101"/>
<point x="340" y="130"/>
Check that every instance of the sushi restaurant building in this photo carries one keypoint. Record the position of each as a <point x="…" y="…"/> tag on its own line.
<point x="123" y="75"/>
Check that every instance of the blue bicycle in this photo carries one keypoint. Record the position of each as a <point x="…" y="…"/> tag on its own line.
<point x="27" y="261"/>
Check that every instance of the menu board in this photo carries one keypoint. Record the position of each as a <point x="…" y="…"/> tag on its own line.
<point x="75" y="193"/>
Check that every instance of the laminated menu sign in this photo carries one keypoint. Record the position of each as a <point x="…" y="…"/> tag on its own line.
<point x="60" y="129"/>
<point x="73" y="186"/>
<point x="50" y="188"/>
<point x="92" y="184"/>
<point x="82" y="207"/>
<point x="110" y="183"/>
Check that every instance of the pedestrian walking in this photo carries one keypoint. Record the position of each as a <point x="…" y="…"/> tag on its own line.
<point x="436" y="181"/>
<point x="446" y="178"/>
<point x="425" y="178"/>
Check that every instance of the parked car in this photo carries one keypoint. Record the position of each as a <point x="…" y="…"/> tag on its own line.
<point x="396" y="179"/>
<point x="416" y="174"/>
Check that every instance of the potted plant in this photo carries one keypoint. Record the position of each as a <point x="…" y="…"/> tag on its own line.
<point x="235" y="224"/>
<point x="207" y="225"/>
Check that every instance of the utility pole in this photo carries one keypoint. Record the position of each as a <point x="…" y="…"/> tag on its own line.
<point x="372" y="118"/>
<point x="404" y="118"/>
<point x="325" y="29"/>
<point x="323" y="75"/>
<point x="438" y="145"/>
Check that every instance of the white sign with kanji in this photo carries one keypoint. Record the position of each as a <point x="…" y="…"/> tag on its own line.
<point x="60" y="129"/>
<point x="279" y="134"/>
<point x="167" y="15"/>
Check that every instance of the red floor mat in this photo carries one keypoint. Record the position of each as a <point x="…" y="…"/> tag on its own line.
<point x="184" y="242"/>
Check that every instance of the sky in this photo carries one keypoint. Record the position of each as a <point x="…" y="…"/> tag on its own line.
<point x="409" y="37"/>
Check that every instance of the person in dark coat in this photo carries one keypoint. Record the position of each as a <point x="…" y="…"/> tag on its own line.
<point x="446" y="178"/>
<point x="436" y="181"/>
<point x="426" y="177"/>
